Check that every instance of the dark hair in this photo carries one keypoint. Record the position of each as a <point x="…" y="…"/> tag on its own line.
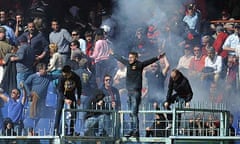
<point x="88" y="33"/>
<point x="75" y="42"/>
<point x="100" y="32"/>
<point x="66" y="69"/>
<point x="56" y="20"/>
<point x="19" y="91"/>
<point x="133" y="53"/>
<point x="41" y="66"/>
<point x="107" y="75"/>
<point x="178" y="73"/>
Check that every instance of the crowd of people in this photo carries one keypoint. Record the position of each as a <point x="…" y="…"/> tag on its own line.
<point x="83" y="66"/>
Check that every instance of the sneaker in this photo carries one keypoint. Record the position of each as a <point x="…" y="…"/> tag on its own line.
<point x="135" y="134"/>
<point x="129" y="134"/>
<point x="132" y="134"/>
<point x="169" y="126"/>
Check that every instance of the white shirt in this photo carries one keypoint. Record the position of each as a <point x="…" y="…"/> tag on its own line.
<point x="83" y="45"/>
<point x="184" y="62"/>
<point x="216" y="64"/>
<point x="232" y="41"/>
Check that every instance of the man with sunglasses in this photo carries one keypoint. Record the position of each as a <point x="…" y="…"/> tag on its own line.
<point x="16" y="102"/>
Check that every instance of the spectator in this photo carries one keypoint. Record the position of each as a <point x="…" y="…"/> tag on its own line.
<point x="37" y="86"/>
<point x="134" y="86"/>
<point x="112" y="96"/>
<point x="112" y="99"/>
<point x="157" y="129"/>
<point x="69" y="82"/>
<point x="95" y="121"/>
<point x="5" y="48"/>
<point x="141" y="44"/>
<point x="192" y="20"/>
<point x="156" y="77"/>
<point x="24" y="59"/>
<point x="88" y="83"/>
<point x="183" y="92"/>
<point x="20" y="25"/>
<point x="184" y="61"/>
<point x="212" y="125"/>
<point x="62" y="38"/>
<point x="82" y="43"/>
<point x="232" y="41"/>
<point x="55" y="63"/>
<point x="16" y="103"/>
<point x="8" y="129"/>
<point x="219" y="41"/>
<point x="38" y="43"/>
<point x="230" y="85"/>
<point x="75" y="49"/>
<point x="197" y="64"/>
<point x="206" y="42"/>
<point x="89" y="43"/>
<point x="10" y="36"/>
<point x="213" y="66"/>
<point x="104" y="64"/>
<point x="119" y="79"/>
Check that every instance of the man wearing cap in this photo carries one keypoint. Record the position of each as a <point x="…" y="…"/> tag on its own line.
<point x="24" y="60"/>
<point x="192" y="19"/>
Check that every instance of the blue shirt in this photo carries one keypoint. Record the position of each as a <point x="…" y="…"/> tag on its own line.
<point x="15" y="110"/>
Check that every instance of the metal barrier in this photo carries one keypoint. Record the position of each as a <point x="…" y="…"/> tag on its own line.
<point x="188" y="125"/>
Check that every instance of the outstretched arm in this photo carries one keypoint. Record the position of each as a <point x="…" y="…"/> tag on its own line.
<point x="23" y="93"/>
<point x="119" y="58"/>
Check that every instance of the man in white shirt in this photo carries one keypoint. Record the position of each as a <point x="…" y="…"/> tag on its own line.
<point x="213" y="65"/>
<point x="232" y="41"/>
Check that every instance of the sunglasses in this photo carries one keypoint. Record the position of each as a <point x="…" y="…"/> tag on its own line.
<point x="74" y="34"/>
<point x="14" y="92"/>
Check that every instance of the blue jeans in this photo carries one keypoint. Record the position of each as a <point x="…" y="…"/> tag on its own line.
<point x="22" y="76"/>
<point x="80" y="115"/>
<point x="104" y="67"/>
<point x="94" y="126"/>
<point x="134" y="100"/>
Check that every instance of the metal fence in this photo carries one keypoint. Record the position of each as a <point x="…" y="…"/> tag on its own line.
<point x="199" y="124"/>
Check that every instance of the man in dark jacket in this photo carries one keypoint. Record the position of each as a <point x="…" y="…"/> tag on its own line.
<point x="69" y="82"/>
<point x="183" y="91"/>
<point x="134" y="86"/>
<point x="180" y="84"/>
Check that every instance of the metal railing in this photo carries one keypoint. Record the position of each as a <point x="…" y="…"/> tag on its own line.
<point x="180" y="130"/>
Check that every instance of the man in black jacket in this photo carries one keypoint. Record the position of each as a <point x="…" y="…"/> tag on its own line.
<point x="69" y="83"/>
<point x="134" y="86"/>
<point x="183" y="91"/>
<point x="180" y="84"/>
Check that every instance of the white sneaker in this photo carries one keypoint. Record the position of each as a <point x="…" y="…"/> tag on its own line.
<point x="169" y="126"/>
<point x="69" y="115"/>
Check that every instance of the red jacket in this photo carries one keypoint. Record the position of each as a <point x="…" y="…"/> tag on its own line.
<point x="218" y="43"/>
